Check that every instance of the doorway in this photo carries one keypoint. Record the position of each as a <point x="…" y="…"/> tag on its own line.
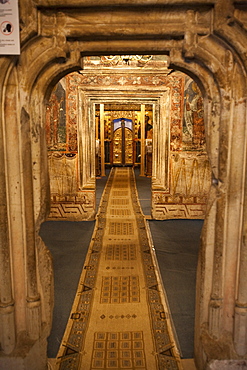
<point x="108" y="115"/>
<point x="122" y="142"/>
<point x="124" y="136"/>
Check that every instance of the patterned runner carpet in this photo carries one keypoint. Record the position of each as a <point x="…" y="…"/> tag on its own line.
<point x="119" y="319"/>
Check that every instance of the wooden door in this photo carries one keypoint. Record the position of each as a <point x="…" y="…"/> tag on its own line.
<point x="122" y="143"/>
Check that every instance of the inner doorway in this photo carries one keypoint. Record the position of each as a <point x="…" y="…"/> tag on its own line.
<point x="180" y="147"/>
<point x="124" y="136"/>
<point x="122" y="142"/>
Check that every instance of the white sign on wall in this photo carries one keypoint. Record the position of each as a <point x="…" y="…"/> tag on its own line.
<point x="9" y="28"/>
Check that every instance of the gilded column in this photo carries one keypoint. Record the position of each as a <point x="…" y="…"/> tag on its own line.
<point x="102" y="139"/>
<point x="142" y="172"/>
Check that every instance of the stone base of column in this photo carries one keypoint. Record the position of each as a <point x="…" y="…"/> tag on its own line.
<point x="28" y="355"/>
<point x="215" y="316"/>
<point x="33" y="317"/>
<point x="209" y="351"/>
<point x="227" y="365"/>
<point x="240" y="330"/>
<point x="7" y="335"/>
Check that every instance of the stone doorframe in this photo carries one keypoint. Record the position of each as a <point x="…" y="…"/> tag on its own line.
<point x="207" y="42"/>
<point x="160" y="99"/>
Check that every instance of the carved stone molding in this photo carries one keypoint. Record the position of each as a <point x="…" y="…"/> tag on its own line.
<point x="78" y="207"/>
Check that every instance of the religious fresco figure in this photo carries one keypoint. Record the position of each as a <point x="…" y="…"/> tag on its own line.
<point x="148" y="128"/>
<point x="198" y="124"/>
<point x="56" y="119"/>
<point x="193" y="122"/>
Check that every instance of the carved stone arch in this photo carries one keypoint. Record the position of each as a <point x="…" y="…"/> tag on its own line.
<point x="228" y="200"/>
<point x="30" y="311"/>
<point x="199" y="70"/>
<point x="209" y="71"/>
<point x="229" y="32"/>
<point x="41" y="86"/>
<point x="49" y="56"/>
<point x="221" y="323"/>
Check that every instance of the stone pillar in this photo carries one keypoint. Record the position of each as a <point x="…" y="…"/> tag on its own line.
<point x="223" y="195"/>
<point x="86" y="144"/>
<point x="7" y="322"/>
<point x="161" y="144"/>
<point x="32" y="295"/>
<point x="215" y="304"/>
<point x="240" y="318"/>
<point x="7" y="314"/>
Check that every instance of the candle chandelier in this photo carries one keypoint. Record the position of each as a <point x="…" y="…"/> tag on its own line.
<point x="119" y="59"/>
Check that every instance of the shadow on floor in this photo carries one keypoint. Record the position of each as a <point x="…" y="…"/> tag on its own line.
<point x="176" y="245"/>
<point x="68" y="243"/>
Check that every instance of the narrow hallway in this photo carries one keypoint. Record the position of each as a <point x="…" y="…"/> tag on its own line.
<point x="119" y="318"/>
<point x="159" y="86"/>
<point x="162" y="241"/>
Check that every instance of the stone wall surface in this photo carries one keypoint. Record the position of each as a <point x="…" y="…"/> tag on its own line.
<point x="205" y="39"/>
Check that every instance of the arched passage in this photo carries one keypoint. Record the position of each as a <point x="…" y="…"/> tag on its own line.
<point x="216" y="58"/>
<point x="175" y="144"/>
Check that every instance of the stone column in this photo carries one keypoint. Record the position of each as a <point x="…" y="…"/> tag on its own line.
<point x="86" y="144"/>
<point x="32" y="295"/>
<point x="215" y="304"/>
<point x="91" y="133"/>
<point x="240" y="317"/>
<point x="161" y="144"/>
<point x="216" y="300"/>
<point x="7" y="320"/>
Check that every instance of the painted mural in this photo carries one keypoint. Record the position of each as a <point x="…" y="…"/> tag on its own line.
<point x="56" y="119"/>
<point x="189" y="170"/>
<point x="193" y="118"/>
<point x="61" y="117"/>
<point x="68" y="202"/>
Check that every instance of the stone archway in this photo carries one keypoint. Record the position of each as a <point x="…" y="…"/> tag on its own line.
<point x="181" y="173"/>
<point x="208" y="42"/>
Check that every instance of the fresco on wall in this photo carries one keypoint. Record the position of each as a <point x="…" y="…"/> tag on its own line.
<point x="61" y="116"/>
<point x="193" y="119"/>
<point x="189" y="169"/>
<point x="187" y="131"/>
<point x="56" y="119"/>
<point x="72" y="82"/>
<point x="67" y="201"/>
<point x="176" y="86"/>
